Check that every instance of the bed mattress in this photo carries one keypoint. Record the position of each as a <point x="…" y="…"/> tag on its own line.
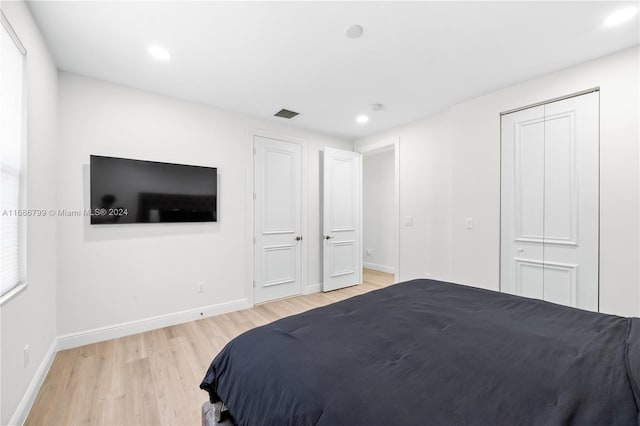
<point x="428" y="352"/>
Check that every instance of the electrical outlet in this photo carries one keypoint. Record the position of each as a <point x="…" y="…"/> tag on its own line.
<point x="368" y="252"/>
<point x="200" y="286"/>
<point x="26" y="355"/>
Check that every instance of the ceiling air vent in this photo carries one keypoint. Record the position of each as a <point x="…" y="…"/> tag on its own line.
<point x="285" y="113"/>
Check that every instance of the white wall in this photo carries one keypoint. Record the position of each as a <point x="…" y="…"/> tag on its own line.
<point x="118" y="274"/>
<point x="30" y="317"/>
<point x="378" y="206"/>
<point x="468" y="136"/>
<point x="477" y="153"/>
<point x="425" y="195"/>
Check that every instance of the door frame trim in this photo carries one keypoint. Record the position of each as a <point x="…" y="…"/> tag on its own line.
<point x="389" y="143"/>
<point x="250" y="202"/>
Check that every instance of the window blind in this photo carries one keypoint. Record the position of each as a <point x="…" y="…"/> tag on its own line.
<point x="11" y="159"/>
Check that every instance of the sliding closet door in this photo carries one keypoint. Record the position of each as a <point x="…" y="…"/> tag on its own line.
<point x="522" y="235"/>
<point x="549" y="235"/>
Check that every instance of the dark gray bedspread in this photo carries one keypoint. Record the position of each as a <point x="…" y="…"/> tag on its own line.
<point x="426" y="352"/>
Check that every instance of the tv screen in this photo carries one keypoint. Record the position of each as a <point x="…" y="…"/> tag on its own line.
<point x="135" y="191"/>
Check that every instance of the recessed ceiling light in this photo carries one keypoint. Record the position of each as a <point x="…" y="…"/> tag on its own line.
<point x="620" y="16"/>
<point x="354" y="31"/>
<point x="362" y="119"/>
<point x="159" y="53"/>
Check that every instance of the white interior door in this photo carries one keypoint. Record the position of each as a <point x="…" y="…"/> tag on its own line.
<point x="342" y="215"/>
<point x="278" y="237"/>
<point x="550" y="222"/>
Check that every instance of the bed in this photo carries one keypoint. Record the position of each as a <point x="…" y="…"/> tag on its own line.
<point x="426" y="352"/>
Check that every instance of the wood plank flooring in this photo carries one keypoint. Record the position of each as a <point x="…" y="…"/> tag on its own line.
<point x="153" y="378"/>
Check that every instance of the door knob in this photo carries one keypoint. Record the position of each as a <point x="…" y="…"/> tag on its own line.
<point x="298" y="238"/>
<point x="328" y="237"/>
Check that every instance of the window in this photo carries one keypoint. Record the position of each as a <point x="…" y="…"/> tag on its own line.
<point x="12" y="161"/>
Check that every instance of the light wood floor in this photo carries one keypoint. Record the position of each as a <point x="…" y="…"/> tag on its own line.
<point x="153" y="378"/>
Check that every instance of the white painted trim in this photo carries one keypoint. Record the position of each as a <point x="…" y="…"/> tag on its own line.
<point x="313" y="288"/>
<point x="29" y="397"/>
<point x="12" y="34"/>
<point x="13" y="293"/>
<point x="381" y="146"/>
<point x="249" y="231"/>
<point x="101" y="334"/>
<point x="361" y="224"/>
<point x="382" y="268"/>
<point x="396" y="172"/>
<point x="251" y="202"/>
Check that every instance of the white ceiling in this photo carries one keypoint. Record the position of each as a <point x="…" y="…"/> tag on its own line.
<point x="416" y="58"/>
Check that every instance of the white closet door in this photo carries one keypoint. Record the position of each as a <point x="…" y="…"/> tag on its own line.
<point x="550" y="222"/>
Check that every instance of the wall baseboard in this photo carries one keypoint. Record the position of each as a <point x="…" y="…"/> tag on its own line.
<point x="73" y="340"/>
<point x="29" y="397"/>
<point x="313" y="288"/>
<point x="381" y="268"/>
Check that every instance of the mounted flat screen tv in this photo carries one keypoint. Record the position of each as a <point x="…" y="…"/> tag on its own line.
<point x="135" y="191"/>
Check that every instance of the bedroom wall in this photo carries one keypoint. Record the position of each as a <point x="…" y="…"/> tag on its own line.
<point x="473" y="143"/>
<point x="29" y="318"/>
<point x="116" y="278"/>
<point x="476" y="150"/>
<point x="378" y="205"/>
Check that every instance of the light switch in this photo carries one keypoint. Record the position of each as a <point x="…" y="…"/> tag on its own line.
<point x="408" y="221"/>
<point x="468" y="223"/>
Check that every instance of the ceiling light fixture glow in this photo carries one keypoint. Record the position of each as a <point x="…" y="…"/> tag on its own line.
<point x="159" y="53"/>
<point x="620" y="16"/>
<point x="362" y="119"/>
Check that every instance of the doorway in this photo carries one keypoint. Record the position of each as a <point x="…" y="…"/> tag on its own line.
<point x="380" y="200"/>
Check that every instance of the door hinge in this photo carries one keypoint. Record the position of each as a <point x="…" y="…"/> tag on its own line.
<point x="254" y="195"/>
<point x="254" y="151"/>
<point x="254" y="240"/>
<point x="254" y="283"/>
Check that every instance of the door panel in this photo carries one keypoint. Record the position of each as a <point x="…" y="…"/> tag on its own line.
<point x="549" y="230"/>
<point x="279" y="184"/>
<point x="522" y="213"/>
<point x="529" y="178"/>
<point x="277" y="219"/>
<point x="342" y="257"/>
<point x="572" y="178"/>
<point x="529" y="278"/>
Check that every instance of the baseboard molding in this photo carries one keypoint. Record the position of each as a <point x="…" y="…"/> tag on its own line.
<point x="73" y="340"/>
<point x="313" y="288"/>
<point x="29" y="397"/>
<point x="381" y="268"/>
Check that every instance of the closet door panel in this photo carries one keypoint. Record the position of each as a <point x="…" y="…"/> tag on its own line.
<point x="571" y="218"/>
<point x="560" y="189"/>
<point x="522" y="192"/>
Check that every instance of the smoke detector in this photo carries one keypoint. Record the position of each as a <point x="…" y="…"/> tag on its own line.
<point x="354" y="31"/>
